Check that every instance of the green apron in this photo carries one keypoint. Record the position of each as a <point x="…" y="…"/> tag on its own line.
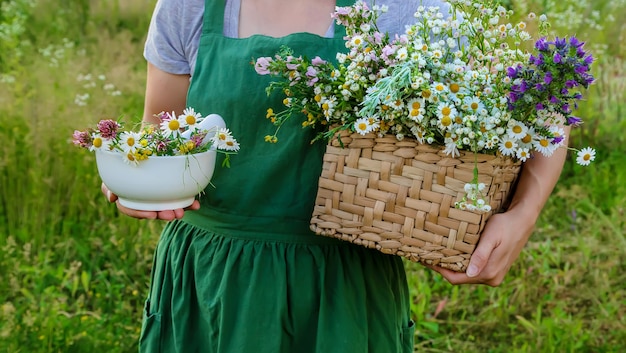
<point x="244" y="273"/>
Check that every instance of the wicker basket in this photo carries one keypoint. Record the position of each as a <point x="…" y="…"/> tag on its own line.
<point x="398" y="197"/>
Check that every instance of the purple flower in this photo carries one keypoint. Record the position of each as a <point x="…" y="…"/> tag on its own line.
<point x="82" y="138"/>
<point x="556" y="140"/>
<point x="197" y="138"/>
<point x="312" y="73"/>
<point x="588" y="59"/>
<point x="262" y="65"/>
<point x="571" y="83"/>
<point x="574" y="120"/>
<point x="547" y="79"/>
<point x="512" y="72"/>
<point x="292" y="66"/>
<point x="581" y="69"/>
<point x="560" y="43"/>
<point x="566" y="108"/>
<point x="554" y="100"/>
<point x="557" y="58"/>
<point x="378" y="37"/>
<point x="573" y="41"/>
<point x="539" y="106"/>
<point x="542" y="45"/>
<point x="108" y="128"/>
<point x="161" y="146"/>
<point x="536" y="60"/>
<point x="317" y="61"/>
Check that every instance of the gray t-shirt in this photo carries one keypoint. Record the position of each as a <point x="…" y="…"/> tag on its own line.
<point x="176" y="25"/>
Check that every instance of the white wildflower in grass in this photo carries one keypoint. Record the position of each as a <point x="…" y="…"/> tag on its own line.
<point x="585" y="156"/>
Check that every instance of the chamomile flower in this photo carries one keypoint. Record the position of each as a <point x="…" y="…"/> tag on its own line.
<point x="129" y="140"/>
<point x="451" y="148"/>
<point x="473" y="104"/>
<point x="507" y="146"/>
<point x="365" y="125"/>
<point x="522" y="154"/>
<point x="446" y="109"/>
<point x="416" y="109"/>
<point x="516" y="129"/>
<point x="171" y="125"/>
<point x="586" y="156"/>
<point x="129" y="157"/>
<point x="99" y="143"/>
<point x="223" y="139"/>
<point x="190" y="118"/>
<point x="544" y="145"/>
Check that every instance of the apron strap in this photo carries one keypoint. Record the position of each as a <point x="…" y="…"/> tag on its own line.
<point x="213" y="21"/>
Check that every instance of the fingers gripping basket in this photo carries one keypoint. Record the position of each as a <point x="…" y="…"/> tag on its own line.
<point x="399" y="197"/>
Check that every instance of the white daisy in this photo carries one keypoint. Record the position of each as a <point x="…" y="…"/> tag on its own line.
<point x="451" y="148"/>
<point x="516" y="129"/>
<point x="507" y="146"/>
<point x="223" y="139"/>
<point x="130" y="158"/>
<point x="416" y="109"/>
<point x="544" y="146"/>
<point x="190" y="118"/>
<point x="446" y="109"/>
<point x="472" y="103"/>
<point x="99" y="143"/>
<point x="523" y="154"/>
<point x="171" y="125"/>
<point x="586" y="156"/>
<point x="365" y="125"/>
<point x="129" y="140"/>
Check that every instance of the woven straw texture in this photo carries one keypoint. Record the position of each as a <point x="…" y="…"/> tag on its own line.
<point x="398" y="197"/>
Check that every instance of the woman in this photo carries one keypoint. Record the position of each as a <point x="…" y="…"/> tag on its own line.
<point x="243" y="272"/>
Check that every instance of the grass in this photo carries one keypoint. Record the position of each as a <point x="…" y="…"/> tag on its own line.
<point x="75" y="273"/>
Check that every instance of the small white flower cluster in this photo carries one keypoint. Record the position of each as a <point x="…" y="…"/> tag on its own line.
<point x="473" y="199"/>
<point x="449" y="84"/>
<point x="89" y="83"/>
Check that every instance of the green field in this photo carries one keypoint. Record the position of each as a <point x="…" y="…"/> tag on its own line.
<point x="74" y="272"/>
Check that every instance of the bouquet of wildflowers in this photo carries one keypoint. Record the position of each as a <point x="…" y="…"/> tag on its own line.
<point x="463" y="80"/>
<point x="175" y="135"/>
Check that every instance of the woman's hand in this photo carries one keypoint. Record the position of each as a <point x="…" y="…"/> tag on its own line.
<point x="501" y="242"/>
<point x="168" y="215"/>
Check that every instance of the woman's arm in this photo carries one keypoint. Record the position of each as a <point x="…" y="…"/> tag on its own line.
<point x="164" y="92"/>
<point x="506" y="234"/>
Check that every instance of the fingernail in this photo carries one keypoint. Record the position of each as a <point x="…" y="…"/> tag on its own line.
<point x="472" y="271"/>
<point x="109" y="195"/>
